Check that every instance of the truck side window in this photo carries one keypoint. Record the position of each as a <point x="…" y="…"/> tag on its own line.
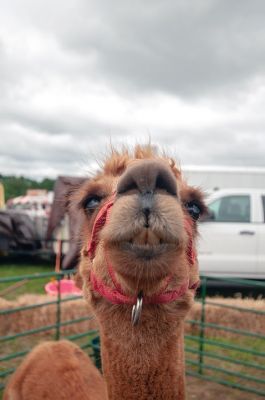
<point x="231" y="209"/>
<point x="263" y="203"/>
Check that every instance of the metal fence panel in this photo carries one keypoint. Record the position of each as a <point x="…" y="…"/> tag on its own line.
<point x="236" y="360"/>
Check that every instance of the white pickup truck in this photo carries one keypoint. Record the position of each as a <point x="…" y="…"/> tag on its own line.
<point x="232" y="237"/>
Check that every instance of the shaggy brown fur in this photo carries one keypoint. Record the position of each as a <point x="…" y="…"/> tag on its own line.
<point x="146" y="361"/>
<point x="145" y="241"/>
<point x="58" y="371"/>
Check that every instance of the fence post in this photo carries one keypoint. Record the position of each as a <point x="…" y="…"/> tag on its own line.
<point x="58" y="310"/>
<point x="201" y="342"/>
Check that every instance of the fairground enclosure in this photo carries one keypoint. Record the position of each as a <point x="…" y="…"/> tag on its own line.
<point x="224" y="335"/>
<point x="225" y="342"/>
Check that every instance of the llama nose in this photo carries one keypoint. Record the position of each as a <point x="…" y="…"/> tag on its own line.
<point x="148" y="176"/>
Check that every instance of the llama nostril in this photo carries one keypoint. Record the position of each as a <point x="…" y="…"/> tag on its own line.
<point x="147" y="177"/>
<point x="164" y="181"/>
<point x="128" y="185"/>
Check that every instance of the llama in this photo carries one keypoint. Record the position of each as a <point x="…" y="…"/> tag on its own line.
<point x="59" y="371"/>
<point x="139" y="271"/>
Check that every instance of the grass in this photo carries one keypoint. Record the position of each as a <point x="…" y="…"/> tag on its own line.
<point x="228" y="369"/>
<point x="10" y="268"/>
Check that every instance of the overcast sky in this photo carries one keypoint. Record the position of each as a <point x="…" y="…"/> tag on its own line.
<point x="76" y="75"/>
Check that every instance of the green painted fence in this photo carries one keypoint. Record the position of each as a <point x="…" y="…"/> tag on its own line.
<point x="238" y="360"/>
<point x="216" y="352"/>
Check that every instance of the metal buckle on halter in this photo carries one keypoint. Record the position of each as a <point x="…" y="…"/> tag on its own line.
<point x="137" y="309"/>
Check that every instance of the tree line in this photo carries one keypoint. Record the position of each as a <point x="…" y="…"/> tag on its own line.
<point x="17" y="186"/>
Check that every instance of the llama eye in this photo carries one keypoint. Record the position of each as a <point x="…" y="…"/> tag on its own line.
<point x="194" y="210"/>
<point x="91" y="203"/>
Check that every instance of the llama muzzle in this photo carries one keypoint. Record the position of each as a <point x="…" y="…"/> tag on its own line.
<point x="115" y="294"/>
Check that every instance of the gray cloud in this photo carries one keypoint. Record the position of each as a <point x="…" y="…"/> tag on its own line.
<point x="182" y="47"/>
<point x="189" y="74"/>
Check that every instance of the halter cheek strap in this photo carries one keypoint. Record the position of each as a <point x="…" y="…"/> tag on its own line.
<point x="116" y="295"/>
<point x="99" y="223"/>
<point x="190" y="251"/>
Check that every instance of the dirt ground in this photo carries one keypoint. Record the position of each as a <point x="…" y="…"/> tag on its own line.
<point x="198" y="389"/>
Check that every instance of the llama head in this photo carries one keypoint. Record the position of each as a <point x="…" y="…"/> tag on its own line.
<point x="139" y="226"/>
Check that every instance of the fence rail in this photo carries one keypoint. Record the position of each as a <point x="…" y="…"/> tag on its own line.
<point x="241" y="356"/>
<point x="215" y="351"/>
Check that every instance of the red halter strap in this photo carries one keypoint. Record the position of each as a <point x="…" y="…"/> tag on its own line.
<point x="191" y="252"/>
<point x="100" y="221"/>
<point x="116" y="295"/>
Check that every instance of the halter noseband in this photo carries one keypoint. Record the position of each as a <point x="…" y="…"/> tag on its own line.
<point x="116" y="295"/>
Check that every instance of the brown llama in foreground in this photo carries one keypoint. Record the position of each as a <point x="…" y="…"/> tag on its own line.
<point x="56" y="370"/>
<point x="139" y="272"/>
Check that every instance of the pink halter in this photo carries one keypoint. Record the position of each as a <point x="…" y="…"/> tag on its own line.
<point x="116" y="295"/>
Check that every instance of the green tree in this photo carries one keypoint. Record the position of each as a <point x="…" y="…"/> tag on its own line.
<point x="17" y="186"/>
